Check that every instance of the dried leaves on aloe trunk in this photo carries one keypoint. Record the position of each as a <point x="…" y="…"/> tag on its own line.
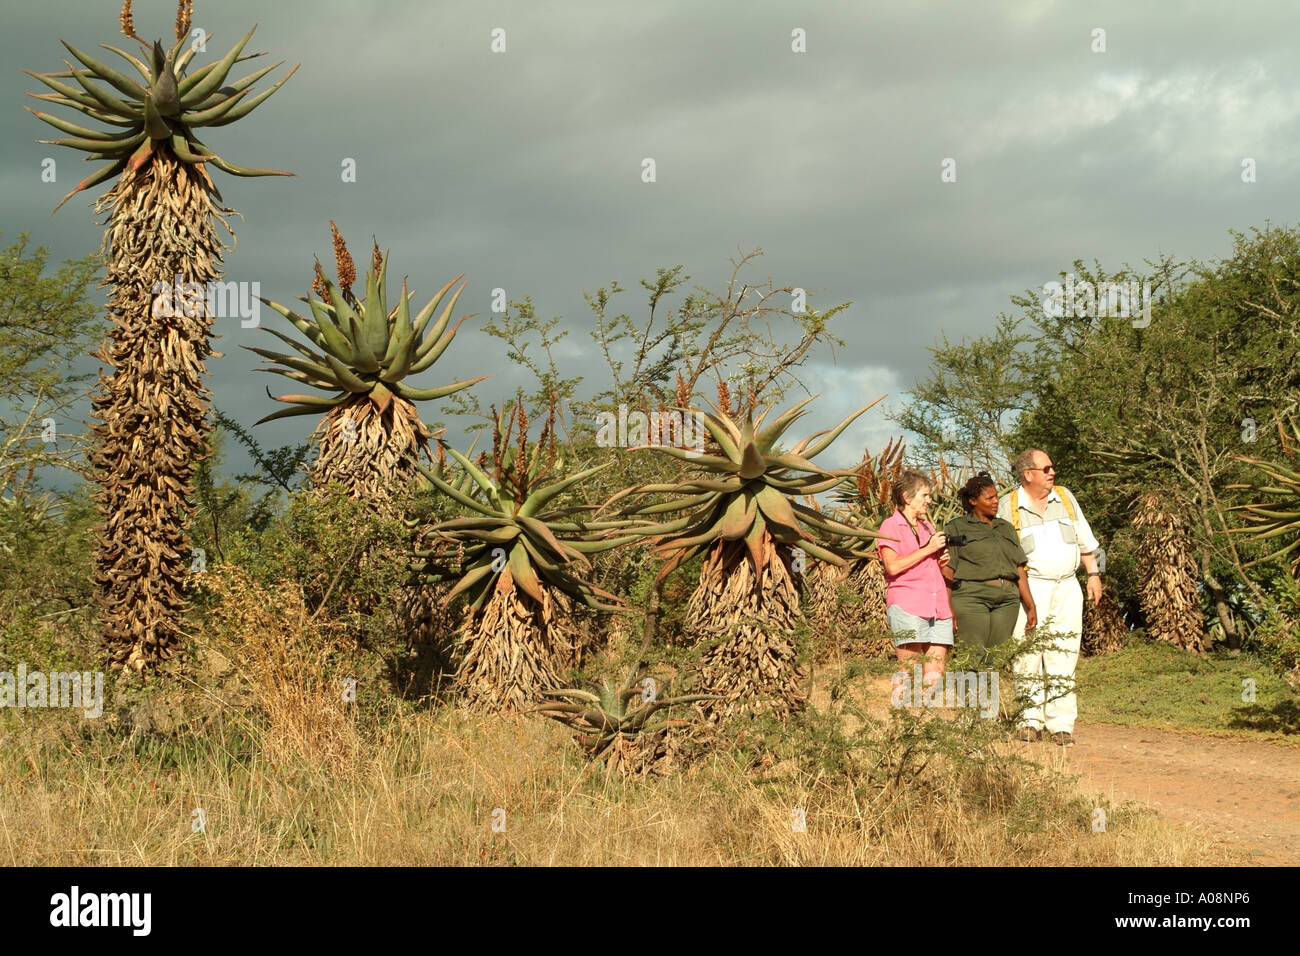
<point x="151" y="410"/>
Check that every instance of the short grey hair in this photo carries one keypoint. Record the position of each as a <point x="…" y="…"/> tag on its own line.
<point x="1025" y="463"/>
<point x="909" y="484"/>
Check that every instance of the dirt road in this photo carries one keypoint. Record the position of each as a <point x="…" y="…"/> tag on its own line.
<point x="1244" y="793"/>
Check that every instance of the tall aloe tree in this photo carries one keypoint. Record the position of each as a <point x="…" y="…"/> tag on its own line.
<point x="370" y="436"/>
<point x="740" y="511"/>
<point x="163" y="208"/>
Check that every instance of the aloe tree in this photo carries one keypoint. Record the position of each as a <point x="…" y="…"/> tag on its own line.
<point x="163" y="208"/>
<point x="370" y="436"/>
<point x="518" y="561"/>
<point x="742" y="514"/>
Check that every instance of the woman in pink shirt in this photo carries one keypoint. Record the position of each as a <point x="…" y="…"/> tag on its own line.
<point x="916" y="604"/>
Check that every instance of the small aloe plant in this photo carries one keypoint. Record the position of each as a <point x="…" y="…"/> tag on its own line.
<point x="620" y="722"/>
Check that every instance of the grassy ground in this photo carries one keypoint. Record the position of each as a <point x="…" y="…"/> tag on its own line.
<point x="1156" y="685"/>
<point x="1149" y="684"/>
<point x="283" y="774"/>
<point x="426" y="787"/>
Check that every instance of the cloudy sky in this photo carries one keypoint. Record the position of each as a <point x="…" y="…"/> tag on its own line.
<point x="522" y="168"/>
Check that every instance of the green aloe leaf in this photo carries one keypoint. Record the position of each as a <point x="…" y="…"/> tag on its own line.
<point x="196" y="88"/>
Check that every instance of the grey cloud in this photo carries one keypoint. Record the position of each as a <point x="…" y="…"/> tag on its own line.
<point x="522" y="170"/>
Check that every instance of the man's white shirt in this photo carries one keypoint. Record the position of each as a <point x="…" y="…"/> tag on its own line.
<point x="1051" y="540"/>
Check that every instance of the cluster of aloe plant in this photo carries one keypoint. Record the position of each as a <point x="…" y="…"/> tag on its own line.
<point x="519" y="549"/>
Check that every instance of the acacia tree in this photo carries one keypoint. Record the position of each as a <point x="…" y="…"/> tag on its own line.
<point x="1167" y="408"/>
<point x="45" y="321"/>
<point x="722" y="336"/>
<point x="968" y="406"/>
<point x="163" y="210"/>
<point x="747" y="335"/>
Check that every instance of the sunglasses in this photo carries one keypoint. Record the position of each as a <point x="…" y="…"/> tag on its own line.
<point x="1045" y="469"/>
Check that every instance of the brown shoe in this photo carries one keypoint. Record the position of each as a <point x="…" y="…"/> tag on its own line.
<point x="1030" y="734"/>
<point x="1062" y="739"/>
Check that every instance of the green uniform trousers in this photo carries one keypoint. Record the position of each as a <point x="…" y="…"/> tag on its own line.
<point x="985" y="615"/>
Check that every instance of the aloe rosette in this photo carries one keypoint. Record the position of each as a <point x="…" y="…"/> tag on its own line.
<point x="741" y="512"/>
<point x="516" y="561"/>
<point x="371" y="436"/>
<point x="152" y="106"/>
<point x="747" y="493"/>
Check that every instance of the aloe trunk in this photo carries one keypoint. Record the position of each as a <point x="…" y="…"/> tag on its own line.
<point x="152" y="410"/>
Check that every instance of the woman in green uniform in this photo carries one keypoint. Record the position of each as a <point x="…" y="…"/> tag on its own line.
<point x="986" y="571"/>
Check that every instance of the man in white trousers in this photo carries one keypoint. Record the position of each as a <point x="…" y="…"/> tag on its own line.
<point x="1056" y="538"/>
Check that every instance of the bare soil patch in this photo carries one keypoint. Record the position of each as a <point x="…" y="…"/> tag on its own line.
<point x="1244" y="794"/>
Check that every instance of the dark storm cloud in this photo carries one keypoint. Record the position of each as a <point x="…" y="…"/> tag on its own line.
<point x="522" y="169"/>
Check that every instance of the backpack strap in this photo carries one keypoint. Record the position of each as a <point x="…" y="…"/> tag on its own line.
<point x="1067" y="501"/>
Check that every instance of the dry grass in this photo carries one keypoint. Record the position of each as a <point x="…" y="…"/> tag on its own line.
<point x="425" y="787"/>
<point x="296" y="664"/>
<point x="286" y="773"/>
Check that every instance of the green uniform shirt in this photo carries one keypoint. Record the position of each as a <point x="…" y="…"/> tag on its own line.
<point x="992" y="551"/>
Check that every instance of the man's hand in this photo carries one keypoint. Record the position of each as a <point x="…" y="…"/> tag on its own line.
<point x="1031" y="618"/>
<point x="1094" y="590"/>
